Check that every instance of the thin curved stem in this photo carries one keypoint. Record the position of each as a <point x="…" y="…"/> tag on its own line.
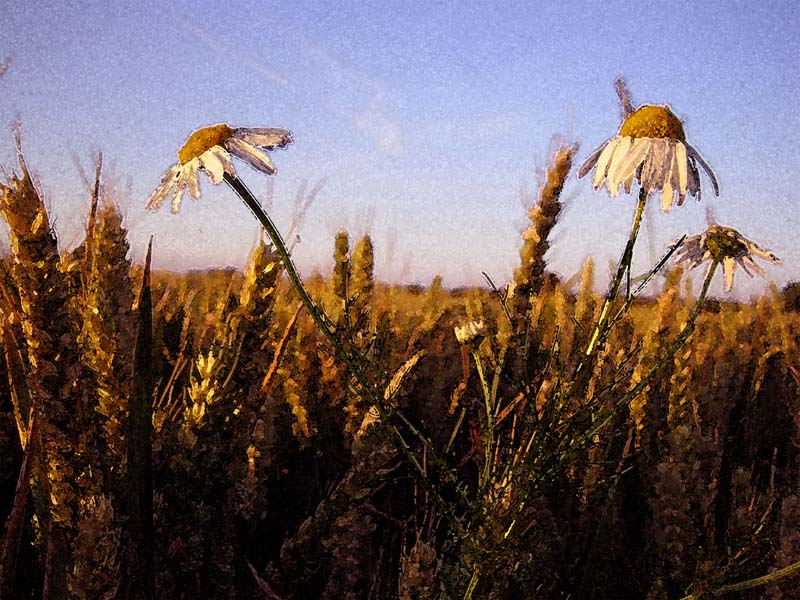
<point x="487" y="398"/>
<point x="320" y="319"/>
<point x="323" y="323"/>
<point x="624" y="267"/>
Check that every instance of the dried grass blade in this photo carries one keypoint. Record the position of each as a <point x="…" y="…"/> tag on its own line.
<point x="139" y="537"/>
<point x="280" y="350"/>
<point x="12" y="535"/>
<point x="18" y="383"/>
<point x="397" y="379"/>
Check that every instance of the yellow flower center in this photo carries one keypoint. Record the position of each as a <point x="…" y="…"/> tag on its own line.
<point x="202" y="140"/>
<point x="722" y="244"/>
<point x="653" y="122"/>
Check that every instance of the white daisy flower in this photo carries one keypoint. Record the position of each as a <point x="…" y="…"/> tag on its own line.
<point x="210" y="149"/>
<point x="471" y="333"/>
<point x="651" y="148"/>
<point x="727" y="246"/>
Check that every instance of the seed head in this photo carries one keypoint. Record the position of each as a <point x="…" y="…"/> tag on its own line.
<point x="651" y="121"/>
<point x="202" y="140"/>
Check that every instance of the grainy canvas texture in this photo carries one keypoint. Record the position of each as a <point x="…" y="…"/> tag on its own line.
<point x="393" y="386"/>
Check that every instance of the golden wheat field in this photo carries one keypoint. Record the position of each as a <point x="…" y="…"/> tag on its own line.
<point x="247" y="434"/>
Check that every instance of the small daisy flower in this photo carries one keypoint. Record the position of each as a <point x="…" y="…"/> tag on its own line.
<point x="471" y="333"/>
<point x="727" y="246"/>
<point x="210" y="149"/>
<point x="651" y="148"/>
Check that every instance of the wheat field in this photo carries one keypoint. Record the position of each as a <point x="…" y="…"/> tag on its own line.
<point x="195" y="435"/>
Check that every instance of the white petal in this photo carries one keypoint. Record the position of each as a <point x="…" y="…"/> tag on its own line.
<point x="692" y="179"/>
<point x="628" y="183"/>
<point x="602" y="162"/>
<point x="747" y="263"/>
<point x="691" y="245"/>
<point x="590" y="161"/>
<point x="225" y="159"/>
<point x="212" y="164"/>
<point x="675" y="178"/>
<point x="702" y="257"/>
<point x="666" y="197"/>
<point x="615" y="177"/>
<point x="194" y="187"/>
<point x="629" y="164"/>
<point x="266" y="137"/>
<point x="158" y="196"/>
<point x="191" y="179"/>
<point x="646" y="175"/>
<point x="176" y="201"/>
<point x="661" y="171"/>
<point x="172" y="173"/>
<point x="728" y="265"/>
<point x="696" y="155"/>
<point x="694" y="252"/>
<point x="651" y="170"/>
<point x="753" y="248"/>
<point x="665" y="168"/>
<point x="168" y="182"/>
<point x="251" y="155"/>
<point x="681" y="162"/>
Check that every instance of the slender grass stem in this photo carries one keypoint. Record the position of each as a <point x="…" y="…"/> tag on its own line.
<point x="487" y="397"/>
<point x="786" y="571"/>
<point x="624" y="267"/>
<point x="473" y="583"/>
<point x="646" y="279"/>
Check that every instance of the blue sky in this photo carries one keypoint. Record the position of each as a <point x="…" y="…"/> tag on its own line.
<point x="424" y="120"/>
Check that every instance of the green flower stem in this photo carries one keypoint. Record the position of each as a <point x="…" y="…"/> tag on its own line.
<point x="487" y="397"/>
<point x="323" y="323"/>
<point x="320" y="319"/>
<point x="624" y="266"/>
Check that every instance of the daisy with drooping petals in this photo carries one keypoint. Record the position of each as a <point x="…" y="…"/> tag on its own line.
<point x="210" y="149"/>
<point x="727" y="246"/>
<point x="651" y="148"/>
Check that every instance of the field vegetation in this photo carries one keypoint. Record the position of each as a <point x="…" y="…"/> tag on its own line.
<point x="198" y="435"/>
